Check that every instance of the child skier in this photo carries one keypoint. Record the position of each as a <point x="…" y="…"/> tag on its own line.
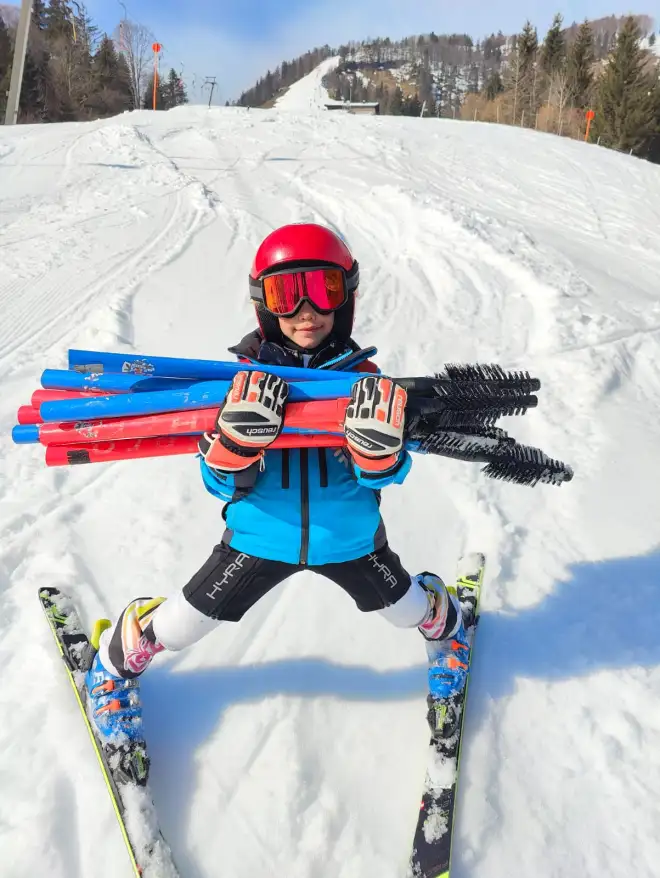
<point x="288" y="510"/>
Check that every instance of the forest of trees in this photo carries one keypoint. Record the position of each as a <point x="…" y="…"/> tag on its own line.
<point x="551" y="85"/>
<point x="74" y="73"/>
<point x="519" y="80"/>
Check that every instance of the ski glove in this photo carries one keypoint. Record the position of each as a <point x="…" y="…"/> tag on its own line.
<point x="374" y="423"/>
<point x="251" y="417"/>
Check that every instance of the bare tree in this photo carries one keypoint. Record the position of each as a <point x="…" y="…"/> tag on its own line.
<point x="68" y="74"/>
<point x="515" y="82"/>
<point x="560" y="94"/>
<point x="533" y="104"/>
<point x="134" y="41"/>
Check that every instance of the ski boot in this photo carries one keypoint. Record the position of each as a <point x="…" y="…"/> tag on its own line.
<point x="446" y="640"/>
<point x="115" y="710"/>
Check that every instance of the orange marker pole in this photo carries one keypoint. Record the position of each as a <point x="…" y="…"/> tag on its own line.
<point x="156" y="47"/>
<point x="590" y="117"/>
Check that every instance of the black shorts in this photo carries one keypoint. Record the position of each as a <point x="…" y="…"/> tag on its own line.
<point x="231" y="582"/>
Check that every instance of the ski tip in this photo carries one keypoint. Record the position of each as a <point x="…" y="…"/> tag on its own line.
<point x="471" y="561"/>
<point x="470" y="569"/>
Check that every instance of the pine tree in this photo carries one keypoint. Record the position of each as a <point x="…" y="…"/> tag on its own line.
<point x="80" y="80"/>
<point x="652" y="39"/>
<point x="527" y="45"/>
<point x="58" y="20"/>
<point x="174" y="91"/>
<point x="529" y="48"/>
<point x="627" y="96"/>
<point x="553" y="55"/>
<point x="6" y="48"/>
<point x="494" y="85"/>
<point x="654" y="146"/>
<point x="396" y="102"/>
<point x="39" y="14"/>
<point x="383" y="97"/>
<point x="111" y="92"/>
<point x="106" y="64"/>
<point x="85" y="33"/>
<point x="5" y="65"/>
<point x="413" y="106"/>
<point x="580" y="66"/>
<point x="272" y="83"/>
<point x="123" y="84"/>
<point x="35" y="87"/>
<point x="63" y="40"/>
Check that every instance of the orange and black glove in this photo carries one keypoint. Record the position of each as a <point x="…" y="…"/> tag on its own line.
<point x="374" y="423"/>
<point x="251" y="417"/>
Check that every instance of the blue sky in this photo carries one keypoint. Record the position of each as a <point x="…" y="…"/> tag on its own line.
<point x="238" y="40"/>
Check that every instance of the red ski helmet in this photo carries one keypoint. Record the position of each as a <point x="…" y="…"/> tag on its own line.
<point x="301" y="245"/>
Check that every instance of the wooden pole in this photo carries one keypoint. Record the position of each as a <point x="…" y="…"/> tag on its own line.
<point x="18" y="65"/>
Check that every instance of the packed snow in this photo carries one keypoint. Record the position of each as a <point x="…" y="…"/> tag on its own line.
<point x="293" y="744"/>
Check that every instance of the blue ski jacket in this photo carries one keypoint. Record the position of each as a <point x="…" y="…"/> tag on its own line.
<point x="308" y="506"/>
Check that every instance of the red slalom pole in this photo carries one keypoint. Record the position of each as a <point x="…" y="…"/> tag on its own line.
<point x="322" y="416"/>
<point x="28" y="414"/>
<point x="125" y="429"/>
<point x="163" y="446"/>
<point x="104" y="452"/>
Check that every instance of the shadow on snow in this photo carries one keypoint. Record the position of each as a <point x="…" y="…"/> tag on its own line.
<point x="606" y="616"/>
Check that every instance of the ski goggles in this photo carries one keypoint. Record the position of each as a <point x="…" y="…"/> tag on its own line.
<point x="283" y="292"/>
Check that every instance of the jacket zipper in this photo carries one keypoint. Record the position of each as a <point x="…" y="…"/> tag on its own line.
<point x="304" y="504"/>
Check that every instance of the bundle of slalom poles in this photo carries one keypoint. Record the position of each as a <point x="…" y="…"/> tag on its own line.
<point x="110" y="406"/>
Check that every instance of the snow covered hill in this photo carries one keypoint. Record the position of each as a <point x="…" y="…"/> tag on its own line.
<point x="309" y="94"/>
<point x="293" y="744"/>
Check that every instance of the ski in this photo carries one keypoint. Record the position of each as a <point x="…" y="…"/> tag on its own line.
<point x="125" y="769"/>
<point x="431" y="854"/>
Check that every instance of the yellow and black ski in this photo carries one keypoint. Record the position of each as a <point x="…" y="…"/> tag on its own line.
<point x="149" y="853"/>
<point x="431" y="855"/>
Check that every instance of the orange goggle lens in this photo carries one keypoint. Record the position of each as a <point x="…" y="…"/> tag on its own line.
<point x="325" y="288"/>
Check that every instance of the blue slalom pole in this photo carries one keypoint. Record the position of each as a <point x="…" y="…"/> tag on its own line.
<point x="205" y="394"/>
<point x="60" y="379"/>
<point x="25" y="434"/>
<point x="94" y="362"/>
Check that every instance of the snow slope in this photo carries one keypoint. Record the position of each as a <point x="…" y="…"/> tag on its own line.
<point x="293" y="744"/>
<point x="308" y="94"/>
